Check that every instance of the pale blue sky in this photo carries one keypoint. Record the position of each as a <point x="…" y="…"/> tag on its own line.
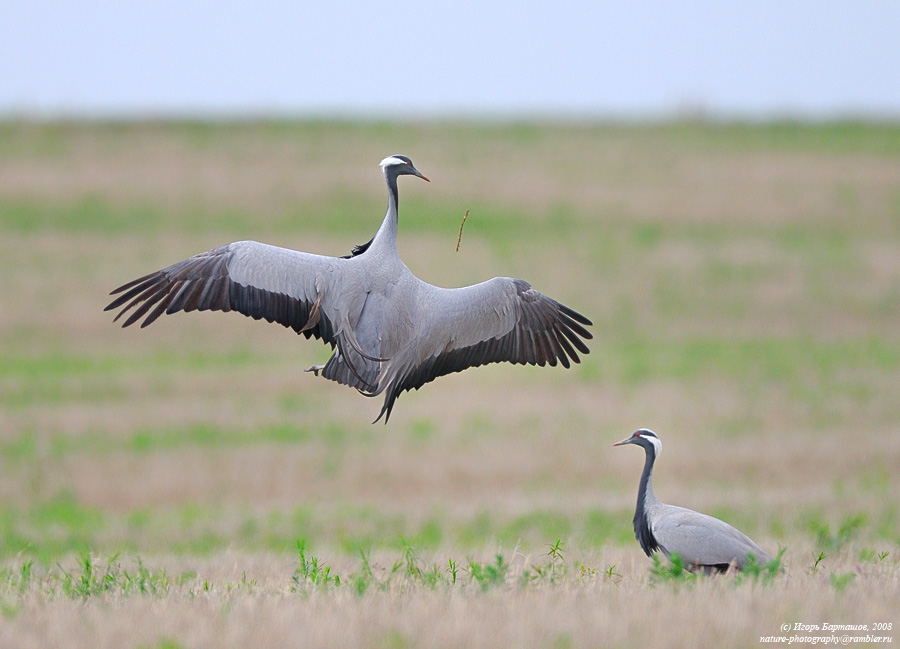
<point x="407" y="58"/>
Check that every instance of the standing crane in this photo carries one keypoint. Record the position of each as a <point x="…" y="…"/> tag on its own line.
<point x="391" y="331"/>
<point x="703" y="543"/>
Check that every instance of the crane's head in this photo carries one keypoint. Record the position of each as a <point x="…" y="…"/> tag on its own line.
<point x="643" y="437"/>
<point x="400" y="165"/>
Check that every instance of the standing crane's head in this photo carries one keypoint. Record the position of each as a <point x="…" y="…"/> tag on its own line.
<point x="643" y="437"/>
<point x="400" y="165"/>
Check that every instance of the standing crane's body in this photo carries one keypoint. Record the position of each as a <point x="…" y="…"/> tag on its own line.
<point x="702" y="542"/>
<point x="392" y="331"/>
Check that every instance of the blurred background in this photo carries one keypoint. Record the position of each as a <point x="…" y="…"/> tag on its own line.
<point x="414" y="60"/>
<point x="717" y="187"/>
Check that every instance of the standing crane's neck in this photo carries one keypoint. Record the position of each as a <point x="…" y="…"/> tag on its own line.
<point x="645" y="488"/>
<point x="645" y="500"/>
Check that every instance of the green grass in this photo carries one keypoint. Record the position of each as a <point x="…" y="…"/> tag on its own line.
<point x="53" y="528"/>
<point x="346" y="214"/>
<point x="43" y="140"/>
<point x="49" y="529"/>
<point x="792" y="361"/>
<point x="28" y="447"/>
<point x="810" y="368"/>
<point x="56" y="365"/>
<point x="87" y="575"/>
<point x="50" y="377"/>
<point x="56" y="527"/>
<point x="352" y="214"/>
<point x="61" y="525"/>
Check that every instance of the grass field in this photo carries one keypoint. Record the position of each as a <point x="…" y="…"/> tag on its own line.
<point x="187" y="485"/>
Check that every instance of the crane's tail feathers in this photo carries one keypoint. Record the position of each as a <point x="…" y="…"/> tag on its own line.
<point x="346" y="338"/>
<point x="386" y="408"/>
<point x="347" y="334"/>
<point x="350" y="365"/>
<point x="354" y="345"/>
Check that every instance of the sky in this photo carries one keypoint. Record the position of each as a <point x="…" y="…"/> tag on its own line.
<point x="419" y="59"/>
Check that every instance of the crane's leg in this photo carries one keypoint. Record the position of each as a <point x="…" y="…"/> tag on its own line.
<point x="315" y="369"/>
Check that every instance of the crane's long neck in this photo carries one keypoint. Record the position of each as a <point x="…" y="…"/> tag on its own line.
<point x="645" y="500"/>
<point x="386" y="237"/>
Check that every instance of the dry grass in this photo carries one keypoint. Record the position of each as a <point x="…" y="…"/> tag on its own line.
<point x="238" y="599"/>
<point x="745" y="288"/>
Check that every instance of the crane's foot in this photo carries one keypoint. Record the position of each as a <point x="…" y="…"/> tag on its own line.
<point x="315" y="369"/>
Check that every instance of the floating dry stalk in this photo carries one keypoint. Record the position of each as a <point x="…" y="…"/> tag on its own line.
<point x="465" y="216"/>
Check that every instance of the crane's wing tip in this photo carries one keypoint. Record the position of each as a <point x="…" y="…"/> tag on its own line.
<point x="577" y="317"/>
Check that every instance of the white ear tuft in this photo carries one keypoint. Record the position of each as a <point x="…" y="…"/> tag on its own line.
<point x="391" y="160"/>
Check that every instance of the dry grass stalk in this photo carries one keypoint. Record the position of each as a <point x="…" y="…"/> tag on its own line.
<point x="459" y="238"/>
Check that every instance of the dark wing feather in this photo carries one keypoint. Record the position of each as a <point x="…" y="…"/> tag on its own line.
<point x="259" y="281"/>
<point x="502" y="320"/>
<point x="358" y="249"/>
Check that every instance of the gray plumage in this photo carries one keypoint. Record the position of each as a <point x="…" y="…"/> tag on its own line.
<point x="391" y="331"/>
<point x="702" y="542"/>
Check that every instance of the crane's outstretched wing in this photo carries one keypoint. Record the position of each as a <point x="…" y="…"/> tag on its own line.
<point x="258" y="280"/>
<point x="703" y="540"/>
<point x="499" y="320"/>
